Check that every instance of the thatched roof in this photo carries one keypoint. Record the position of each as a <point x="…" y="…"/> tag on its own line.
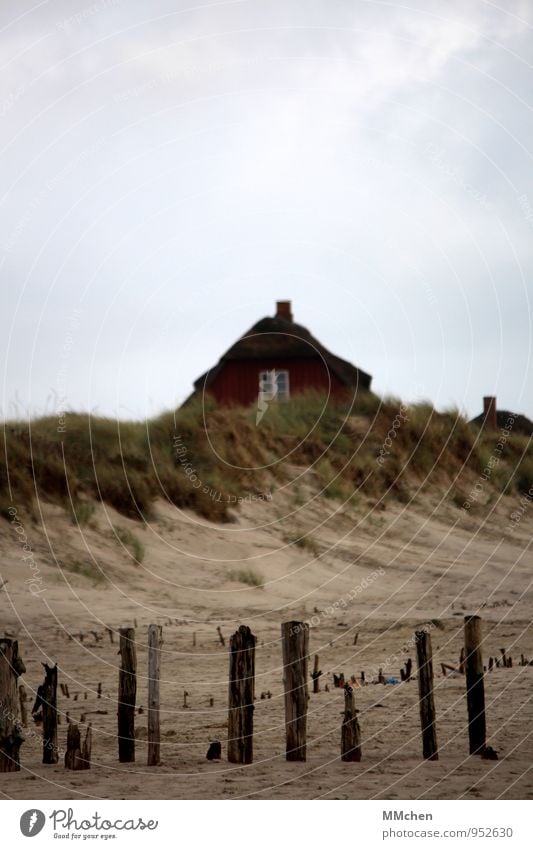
<point x="281" y="338"/>
<point x="521" y="425"/>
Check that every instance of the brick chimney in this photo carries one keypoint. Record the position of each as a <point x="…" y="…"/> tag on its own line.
<point x="490" y="420"/>
<point x="283" y="310"/>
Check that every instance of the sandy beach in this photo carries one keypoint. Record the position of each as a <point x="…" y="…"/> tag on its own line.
<point x="380" y="574"/>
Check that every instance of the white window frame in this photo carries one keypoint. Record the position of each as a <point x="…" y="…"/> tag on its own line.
<point x="274" y="385"/>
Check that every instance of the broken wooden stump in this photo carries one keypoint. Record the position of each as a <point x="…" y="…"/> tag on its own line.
<point x="350" y="732"/>
<point x="78" y="756"/>
<point x="11" y="666"/>
<point x="127" y="693"/>
<point x="214" y="753"/>
<point x="295" y="649"/>
<point x="241" y="696"/>
<point x="45" y="710"/>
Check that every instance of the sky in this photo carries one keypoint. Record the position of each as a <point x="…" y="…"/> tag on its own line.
<point x="171" y="169"/>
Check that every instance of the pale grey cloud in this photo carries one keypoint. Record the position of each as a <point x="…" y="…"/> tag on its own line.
<point x="170" y="173"/>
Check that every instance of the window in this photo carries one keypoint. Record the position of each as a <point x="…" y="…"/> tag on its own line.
<point x="273" y="385"/>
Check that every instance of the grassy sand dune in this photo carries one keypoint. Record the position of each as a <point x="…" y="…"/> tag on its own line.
<point x="104" y="525"/>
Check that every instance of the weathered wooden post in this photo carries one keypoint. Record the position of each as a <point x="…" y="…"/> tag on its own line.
<point x="475" y="687"/>
<point x="127" y="692"/>
<point x="46" y="701"/>
<point x="315" y="675"/>
<point x="23" y="698"/>
<point x="241" y="696"/>
<point x="425" y="692"/>
<point x="155" y="640"/>
<point x="295" y="647"/>
<point x="11" y="666"/>
<point x="350" y="733"/>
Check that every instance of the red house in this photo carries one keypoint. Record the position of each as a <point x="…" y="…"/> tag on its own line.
<point x="275" y="359"/>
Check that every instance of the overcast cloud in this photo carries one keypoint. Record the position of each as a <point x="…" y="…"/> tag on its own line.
<point x="170" y="170"/>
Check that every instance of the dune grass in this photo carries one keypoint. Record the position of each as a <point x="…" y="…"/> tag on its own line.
<point x="246" y="576"/>
<point x="205" y="459"/>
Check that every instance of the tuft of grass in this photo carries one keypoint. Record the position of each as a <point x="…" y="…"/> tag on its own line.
<point x="85" y="568"/>
<point x="302" y="540"/>
<point x="247" y="576"/>
<point x="523" y="476"/>
<point x="458" y="498"/>
<point x="82" y="512"/>
<point x="131" y="542"/>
